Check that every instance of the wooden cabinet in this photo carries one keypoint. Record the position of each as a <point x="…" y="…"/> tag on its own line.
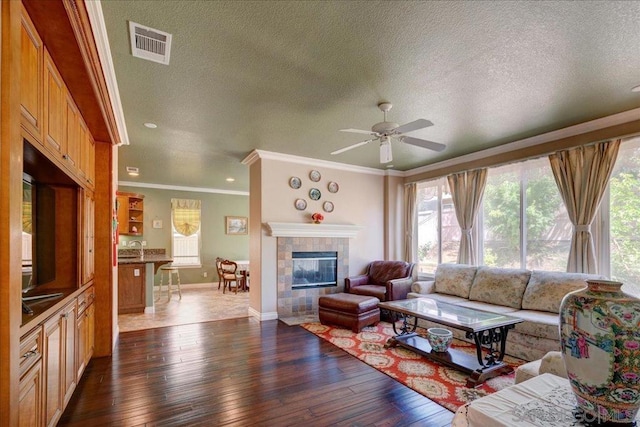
<point x="54" y="108"/>
<point x="85" y="330"/>
<point x="131" y="288"/>
<point x="71" y="140"/>
<point x="86" y="168"/>
<point x="130" y="213"/>
<point x="31" y="72"/>
<point x="59" y="358"/>
<point x="30" y="398"/>
<point x="88" y="231"/>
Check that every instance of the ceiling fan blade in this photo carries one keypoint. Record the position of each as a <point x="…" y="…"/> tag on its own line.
<point x="366" y="132"/>
<point x="342" y="150"/>
<point x="435" y="146"/>
<point x="415" y="125"/>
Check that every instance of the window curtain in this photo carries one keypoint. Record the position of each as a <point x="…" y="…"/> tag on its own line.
<point x="185" y="215"/>
<point x="467" y="189"/>
<point x="582" y="175"/>
<point x="410" y="203"/>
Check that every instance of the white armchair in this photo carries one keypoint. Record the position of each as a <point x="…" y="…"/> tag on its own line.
<point x="551" y="363"/>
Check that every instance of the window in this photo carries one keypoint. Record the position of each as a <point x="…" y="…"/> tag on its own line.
<point x="525" y="223"/>
<point x="438" y="231"/>
<point x="623" y="214"/>
<point x="185" y="237"/>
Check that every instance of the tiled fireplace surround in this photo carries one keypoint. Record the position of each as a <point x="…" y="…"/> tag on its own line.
<point x="302" y="302"/>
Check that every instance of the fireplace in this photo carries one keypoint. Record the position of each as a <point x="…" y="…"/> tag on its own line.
<point x="314" y="269"/>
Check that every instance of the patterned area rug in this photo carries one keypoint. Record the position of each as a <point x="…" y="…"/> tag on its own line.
<point x="443" y="385"/>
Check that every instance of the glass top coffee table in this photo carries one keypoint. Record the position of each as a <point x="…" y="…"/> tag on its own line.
<point x="487" y="330"/>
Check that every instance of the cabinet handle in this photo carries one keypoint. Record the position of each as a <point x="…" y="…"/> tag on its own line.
<point x="30" y="353"/>
<point x="64" y="315"/>
<point x="82" y="304"/>
<point x="66" y="157"/>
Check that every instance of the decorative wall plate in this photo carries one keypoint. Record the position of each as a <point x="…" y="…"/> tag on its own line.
<point x="314" y="194"/>
<point x="314" y="176"/>
<point x="327" y="206"/>
<point x="333" y="187"/>
<point x="301" y="204"/>
<point x="294" y="182"/>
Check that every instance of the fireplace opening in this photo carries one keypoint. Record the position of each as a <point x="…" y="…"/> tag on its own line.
<point x="314" y="269"/>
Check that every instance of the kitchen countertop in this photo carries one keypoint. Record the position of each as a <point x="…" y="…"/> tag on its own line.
<point x="156" y="256"/>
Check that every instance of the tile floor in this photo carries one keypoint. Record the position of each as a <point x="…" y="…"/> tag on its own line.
<point x="200" y="303"/>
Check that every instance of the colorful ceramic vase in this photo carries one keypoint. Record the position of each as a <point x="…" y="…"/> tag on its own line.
<point x="439" y="338"/>
<point x="600" y="339"/>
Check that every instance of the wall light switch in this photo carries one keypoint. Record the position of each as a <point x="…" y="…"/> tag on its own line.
<point x="136" y="272"/>
<point x="123" y="243"/>
<point x="144" y="243"/>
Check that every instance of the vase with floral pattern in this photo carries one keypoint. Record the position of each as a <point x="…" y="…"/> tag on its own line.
<point x="600" y="340"/>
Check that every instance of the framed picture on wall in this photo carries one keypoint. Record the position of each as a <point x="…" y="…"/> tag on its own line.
<point x="237" y="224"/>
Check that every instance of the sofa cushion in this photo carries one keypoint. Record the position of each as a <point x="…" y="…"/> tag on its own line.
<point x="547" y="288"/>
<point x="379" y="292"/>
<point x="485" y="306"/>
<point x="451" y="299"/>
<point x="455" y="279"/>
<point x="500" y="286"/>
<point x="540" y="324"/>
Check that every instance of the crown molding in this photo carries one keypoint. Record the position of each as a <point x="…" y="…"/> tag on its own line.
<point x="182" y="188"/>
<point x="96" y="18"/>
<point x="270" y="155"/>
<point x="590" y="126"/>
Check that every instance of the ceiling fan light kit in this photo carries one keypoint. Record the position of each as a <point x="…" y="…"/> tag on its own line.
<point x="385" y="131"/>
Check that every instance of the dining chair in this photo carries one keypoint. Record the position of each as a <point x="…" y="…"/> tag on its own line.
<point x="229" y="275"/>
<point x="219" y="270"/>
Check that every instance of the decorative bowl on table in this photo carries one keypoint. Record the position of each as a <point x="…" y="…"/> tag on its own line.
<point x="440" y="339"/>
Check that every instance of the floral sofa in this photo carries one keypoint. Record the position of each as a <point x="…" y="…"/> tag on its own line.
<point x="534" y="296"/>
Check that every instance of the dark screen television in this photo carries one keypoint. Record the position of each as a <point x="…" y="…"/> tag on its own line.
<point x="38" y="234"/>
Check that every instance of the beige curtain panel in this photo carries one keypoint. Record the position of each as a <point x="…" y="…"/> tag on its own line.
<point x="410" y="195"/>
<point x="185" y="215"/>
<point x="582" y="175"/>
<point x="467" y="189"/>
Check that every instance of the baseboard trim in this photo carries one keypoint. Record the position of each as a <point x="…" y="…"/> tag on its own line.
<point x="263" y="316"/>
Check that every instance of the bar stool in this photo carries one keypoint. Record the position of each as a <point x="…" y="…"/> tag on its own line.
<point x="170" y="271"/>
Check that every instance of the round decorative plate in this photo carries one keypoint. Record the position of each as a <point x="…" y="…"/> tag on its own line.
<point x="327" y="206"/>
<point x="314" y="194"/>
<point x="294" y="182"/>
<point x="314" y="176"/>
<point x="301" y="204"/>
<point x="333" y="187"/>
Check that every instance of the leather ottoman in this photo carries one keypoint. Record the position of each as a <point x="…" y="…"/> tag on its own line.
<point x="348" y="310"/>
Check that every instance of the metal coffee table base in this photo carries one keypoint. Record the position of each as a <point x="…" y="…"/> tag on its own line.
<point x="485" y="364"/>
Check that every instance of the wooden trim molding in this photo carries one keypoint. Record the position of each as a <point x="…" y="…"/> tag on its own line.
<point x="79" y="19"/>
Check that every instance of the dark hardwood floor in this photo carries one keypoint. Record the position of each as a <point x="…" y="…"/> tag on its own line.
<point x="240" y="372"/>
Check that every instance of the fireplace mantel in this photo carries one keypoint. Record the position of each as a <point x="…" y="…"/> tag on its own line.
<point x="290" y="229"/>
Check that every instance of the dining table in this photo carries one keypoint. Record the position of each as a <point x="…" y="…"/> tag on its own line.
<point x="243" y="269"/>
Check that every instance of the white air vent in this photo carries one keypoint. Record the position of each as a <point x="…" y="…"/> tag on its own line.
<point x="149" y="43"/>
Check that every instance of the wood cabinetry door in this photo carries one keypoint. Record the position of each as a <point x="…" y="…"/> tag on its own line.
<point x="53" y="359"/>
<point x="31" y="66"/>
<point x="131" y="288"/>
<point x="69" y="353"/>
<point x="54" y="107"/>
<point x="71" y="154"/>
<point x="88" y="240"/>
<point x="30" y="399"/>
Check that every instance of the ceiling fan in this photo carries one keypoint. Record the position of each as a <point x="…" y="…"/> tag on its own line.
<point x="385" y="131"/>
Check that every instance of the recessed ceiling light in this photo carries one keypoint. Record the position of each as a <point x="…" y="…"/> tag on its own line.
<point x="151" y="125"/>
<point x="230" y="179"/>
<point x="133" y="171"/>
<point x="635" y="89"/>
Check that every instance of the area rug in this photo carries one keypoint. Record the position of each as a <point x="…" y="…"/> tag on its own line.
<point x="443" y="385"/>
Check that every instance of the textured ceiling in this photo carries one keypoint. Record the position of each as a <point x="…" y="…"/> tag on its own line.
<point x="285" y="76"/>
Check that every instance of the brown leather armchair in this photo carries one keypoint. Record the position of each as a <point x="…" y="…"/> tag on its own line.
<point x="385" y="280"/>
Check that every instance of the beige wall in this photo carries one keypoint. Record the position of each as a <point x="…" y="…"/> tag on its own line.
<point x="359" y="201"/>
